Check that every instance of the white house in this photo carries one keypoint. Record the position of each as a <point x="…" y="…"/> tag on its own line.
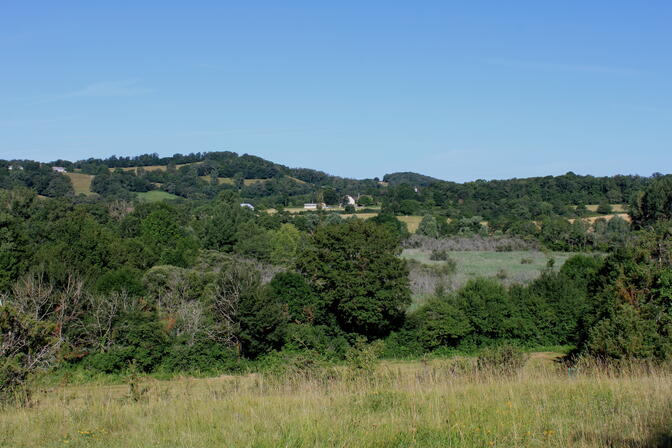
<point x="310" y="206"/>
<point x="59" y="169"/>
<point x="350" y="200"/>
<point x="245" y="204"/>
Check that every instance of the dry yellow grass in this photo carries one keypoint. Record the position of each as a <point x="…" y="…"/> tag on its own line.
<point x="412" y="222"/>
<point x="81" y="182"/>
<point x="616" y="208"/>
<point x="592" y="219"/>
<point x="402" y="405"/>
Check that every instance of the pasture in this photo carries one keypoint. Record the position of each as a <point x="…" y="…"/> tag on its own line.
<point x="81" y="182"/>
<point x="435" y="403"/>
<point x="155" y="196"/>
<point x="509" y="267"/>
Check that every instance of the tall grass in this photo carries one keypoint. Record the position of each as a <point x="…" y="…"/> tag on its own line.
<point x="430" y="404"/>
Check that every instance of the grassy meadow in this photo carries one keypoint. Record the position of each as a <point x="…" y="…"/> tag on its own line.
<point x="509" y="267"/>
<point x="81" y="182"/>
<point x="435" y="403"/>
<point x="155" y="196"/>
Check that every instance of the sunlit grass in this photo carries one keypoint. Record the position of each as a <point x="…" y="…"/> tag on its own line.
<point x="401" y="405"/>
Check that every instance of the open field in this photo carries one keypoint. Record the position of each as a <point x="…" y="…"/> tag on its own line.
<point x="81" y="182"/>
<point x="155" y="196"/>
<point x="472" y="264"/>
<point x="592" y="219"/>
<point x="616" y="208"/>
<point x="412" y="404"/>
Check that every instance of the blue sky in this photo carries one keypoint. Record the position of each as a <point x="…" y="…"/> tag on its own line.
<point x="456" y="90"/>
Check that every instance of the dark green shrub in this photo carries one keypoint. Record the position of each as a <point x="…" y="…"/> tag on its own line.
<point x="137" y="337"/>
<point x="440" y="324"/>
<point x="625" y="335"/>
<point x="203" y="356"/>
<point x="26" y="345"/>
<point x="604" y="209"/>
<point x="123" y="279"/>
<point x="439" y="255"/>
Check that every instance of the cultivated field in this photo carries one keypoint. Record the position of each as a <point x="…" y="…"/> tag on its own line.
<point x="430" y="404"/>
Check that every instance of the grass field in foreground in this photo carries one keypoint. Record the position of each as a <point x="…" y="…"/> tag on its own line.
<point x="509" y="265"/>
<point x="155" y="196"/>
<point x="401" y="405"/>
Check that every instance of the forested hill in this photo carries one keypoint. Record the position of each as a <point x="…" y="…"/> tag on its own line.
<point x="204" y="175"/>
<point x="418" y="180"/>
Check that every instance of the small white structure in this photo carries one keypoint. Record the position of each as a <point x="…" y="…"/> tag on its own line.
<point x="350" y="200"/>
<point x="59" y="169"/>
<point x="315" y="206"/>
<point x="245" y="204"/>
<point x="15" y="167"/>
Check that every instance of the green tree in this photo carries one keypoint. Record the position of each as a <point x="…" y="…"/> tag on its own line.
<point x="440" y="324"/>
<point x="354" y="269"/>
<point x="428" y="227"/>
<point x="655" y="204"/>
<point x="285" y="244"/>
<point x="26" y="345"/>
<point x="293" y="293"/>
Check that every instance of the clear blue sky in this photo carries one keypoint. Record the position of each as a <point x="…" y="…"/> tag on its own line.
<point x="456" y="90"/>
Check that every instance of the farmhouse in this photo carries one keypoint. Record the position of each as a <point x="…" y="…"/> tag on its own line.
<point x="315" y="206"/>
<point x="59" y="169"/>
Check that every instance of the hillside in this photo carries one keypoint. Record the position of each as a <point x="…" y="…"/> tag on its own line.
<point x="266" y="184"/>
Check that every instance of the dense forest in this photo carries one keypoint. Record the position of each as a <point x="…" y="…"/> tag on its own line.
<point x="106" y="281"/>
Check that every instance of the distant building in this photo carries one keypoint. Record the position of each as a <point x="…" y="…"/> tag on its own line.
<point x="245" y="204"/>
<point x="315" y="206"/>
<point x="59" y="169"/>
<point x="15" y="167"/>
<point x="350" y="200"/>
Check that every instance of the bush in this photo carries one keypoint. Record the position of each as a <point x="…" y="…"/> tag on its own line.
<point x="604" y="209"/>
<point x="138" y="338"/>
<point x="25" y="346"/>
<point x="502" y="360"/>
<point x="202" y="356"/>
<point x="525" y="261"/>
<point x="439" y="255"/>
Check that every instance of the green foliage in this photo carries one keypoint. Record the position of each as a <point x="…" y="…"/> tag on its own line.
<point x="440" y="324"/>
<point x="428" y="227"/>
<point x="124" y="279"/>
<point x="297" y="297"/>
<point x="262" y="323"/>
<point x="201" y="356"/>
<point x="137" y="338"/>
<point x="392" y="224"/>
<point x="354" y="270"/>
<point x="285" y="244"/>
<point x="655" y="204"/>
<point x="604" y="208"/>
<point x="327" y="341"/>
<point x="488" y="306"/>
<point x="166" y="239"/>
<point x="26" y="345"/>
<point x="624" y="335"/>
